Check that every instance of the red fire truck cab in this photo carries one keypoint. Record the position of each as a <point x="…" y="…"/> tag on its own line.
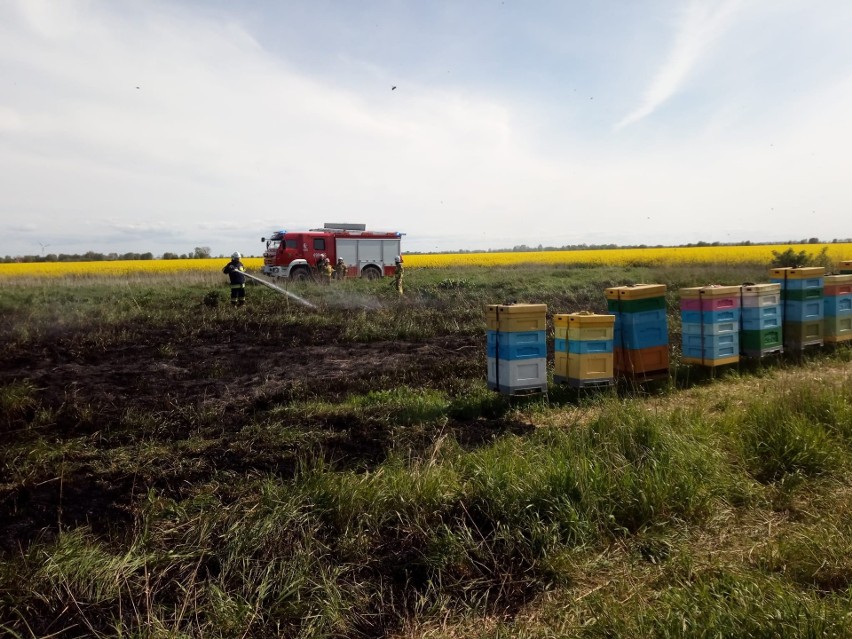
<point x="367" y="254"/>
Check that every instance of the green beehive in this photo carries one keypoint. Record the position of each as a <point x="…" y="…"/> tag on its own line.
<point x="760" y="340"/>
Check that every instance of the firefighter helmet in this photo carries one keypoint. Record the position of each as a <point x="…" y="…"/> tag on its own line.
<point x="398" y="259"/>
<point x="235" y="255"/>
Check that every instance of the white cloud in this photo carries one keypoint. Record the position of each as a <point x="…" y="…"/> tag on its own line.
<point x="699" y="26"/>
<point x="189" y="123"/>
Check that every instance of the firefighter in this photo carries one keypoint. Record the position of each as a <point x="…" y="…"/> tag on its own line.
<point x="234" y="270"/>
<point x="328" y="271"/>
<point x="320" y="265"/>
<point x="398" y="273"/>
<point x="340" y="269"/>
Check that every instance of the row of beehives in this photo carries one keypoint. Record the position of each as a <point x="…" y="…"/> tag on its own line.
<point x="799" y="308"/>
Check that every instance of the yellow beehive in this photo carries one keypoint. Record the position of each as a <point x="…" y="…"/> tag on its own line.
<point x="641" y="291"/>
<point x="589" y="326"/>
<point x="798" y="273"/>
<point x="521" y="309"/>
<point x="511" y="318"/>
<point x="560" y="325"/>
<point x="612" y="292"/>
<point x="844" y="278"/>
<point x="722" y="361"/>
<point x="696" y="292"/>
<point x="590" y="366"/>
<point x="584" y="319"/>
<point x="491" y="316"/>
<point x="689" y="293"/>
<point x="718" y="291"/>
<point x="560" y="364"/>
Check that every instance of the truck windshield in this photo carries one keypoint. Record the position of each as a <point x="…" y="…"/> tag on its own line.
<point x="273" y="245"/>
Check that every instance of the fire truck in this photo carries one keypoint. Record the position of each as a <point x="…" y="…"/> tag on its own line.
<point x="368" y="254"/>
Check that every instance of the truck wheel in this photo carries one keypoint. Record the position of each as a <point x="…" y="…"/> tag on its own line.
<point x="300" y="275"/>
<point x="371" y="273"/>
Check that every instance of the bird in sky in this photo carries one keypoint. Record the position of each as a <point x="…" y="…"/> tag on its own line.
<point x="393" y="88"/>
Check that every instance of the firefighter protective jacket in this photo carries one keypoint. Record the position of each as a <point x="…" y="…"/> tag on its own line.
<point x="234" y="269"/>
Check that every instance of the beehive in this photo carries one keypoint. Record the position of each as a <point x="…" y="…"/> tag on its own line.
<point x="710" y="324"/>
<point x="838" y="285"/>
<point x="757" y="295"/>
<point x="588" y="349"/>
<point x="845" y="267"/>
<point x="757" y="318"/>
<point x="560" y="325"/>
<point x="706" y="349"/>
<point x="643" y="361"/>
<point x="641" y="331"/>
<point x="802" y="304"/>
<point x="590" y="370"/>
<point x="798" y="335"/>
<point x="516" y="317"/>
<point x="587" y="326"/>
<point x="796" y="273"/>
<point x="560" y="347"/>
<point x="516" y="347"/>
<point x="641" y="292"/>
<point x="761" y="320"/>
<point x="756" y="343"/>
<point x="838" y="329"/>
<point x="838" y="308"/>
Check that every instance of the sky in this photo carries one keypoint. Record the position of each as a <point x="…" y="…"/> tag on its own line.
<point x="148" y="125"/>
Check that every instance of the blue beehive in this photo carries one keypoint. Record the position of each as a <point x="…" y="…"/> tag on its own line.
<point x="589" y="359"/>
<point x="838" y="308"/>
<point x="511" y="346"/>
<point x="646" y="329"/>
<point x="721" y="328"/>
<point x="805" y="311"/>
<point x="838" y="305"/>
<point x="803" y="307"/>
<point x="711" y="347"/>
<point x="710" y="325"/>
<point x="762" y="319"/>
<point x="516" y="347"/>
<point x="755" y="318"/>
<point x="641" y="335"/>
<point x="710" y="317"/>
<point x="583" y="347"/>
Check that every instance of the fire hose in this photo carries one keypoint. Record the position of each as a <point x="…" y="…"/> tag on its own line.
<point x="280" y="290"/>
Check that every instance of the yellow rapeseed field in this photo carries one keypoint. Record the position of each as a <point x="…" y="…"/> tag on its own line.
<point x="759" y="254"/>
<point x="120" y="268"/>
<point x="667" y="256"/>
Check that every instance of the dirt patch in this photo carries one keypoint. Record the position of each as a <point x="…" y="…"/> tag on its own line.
<point x="79" y="499"/>
<point x="155" y="391"/>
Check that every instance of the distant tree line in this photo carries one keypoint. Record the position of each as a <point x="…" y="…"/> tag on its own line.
<point x="199" y="252"/>
<point x="521" y="248"/>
